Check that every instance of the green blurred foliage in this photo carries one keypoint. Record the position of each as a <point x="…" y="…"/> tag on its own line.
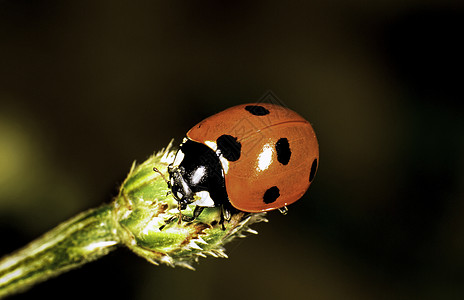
<point x="86" y="87"/>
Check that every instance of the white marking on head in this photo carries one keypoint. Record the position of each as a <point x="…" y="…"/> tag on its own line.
<point x="179" y="158"/>
<point x="198" y="175"/>
<point x="211" y="144"/>
<point x="179" y="195"/>
<point x="224" y="163"/>
<point x="205" y="199"/>
<point x="265" y="157"/>
<point x="185" y="187"/>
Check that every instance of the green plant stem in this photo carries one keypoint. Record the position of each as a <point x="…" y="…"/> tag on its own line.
<point x="84" y="238"/>
<point x="143" y="217"/>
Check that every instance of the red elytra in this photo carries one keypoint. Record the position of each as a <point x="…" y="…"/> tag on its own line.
<point x="273" y="157"/>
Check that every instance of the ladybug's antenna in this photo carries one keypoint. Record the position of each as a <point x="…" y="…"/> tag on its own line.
<point x="162" y="175"/>
<point x="179" y="206"/>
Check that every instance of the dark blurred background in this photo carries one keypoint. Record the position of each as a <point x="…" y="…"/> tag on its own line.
<point x="86" y="87"/>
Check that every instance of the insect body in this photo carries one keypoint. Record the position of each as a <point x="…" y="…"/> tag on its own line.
<point x="251" y="157"/>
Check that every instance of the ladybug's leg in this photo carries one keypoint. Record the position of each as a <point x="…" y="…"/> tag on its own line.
<point x="181" y="217"/>
<point x="196" y="212"/>
<point x="283" y="210"/>
<point x="167" y="222"/>
<point x="221" y="221"/>
<point x="226" y="215"/>
<point x="179" y="207"/>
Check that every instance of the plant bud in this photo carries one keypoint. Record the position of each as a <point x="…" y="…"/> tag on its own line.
<point x="148" y="219"/>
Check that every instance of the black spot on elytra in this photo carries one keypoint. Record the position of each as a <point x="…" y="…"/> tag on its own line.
<point x="257" y="110"/>
<point x="313" y="170"/>
<point x="229" y="146"/>
<point x="283" y="151"/>
<point x="271" y="195"/>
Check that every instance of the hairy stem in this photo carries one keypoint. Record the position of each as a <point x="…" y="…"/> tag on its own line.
<point x="84" y="238"/>
<point x="143" y="217"/>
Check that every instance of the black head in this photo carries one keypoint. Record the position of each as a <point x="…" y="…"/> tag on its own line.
<point x="197" y="171"/>
<point x="179" y="185"/>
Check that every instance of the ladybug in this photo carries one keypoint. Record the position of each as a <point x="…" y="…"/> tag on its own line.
<point x="252" y="157"/>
